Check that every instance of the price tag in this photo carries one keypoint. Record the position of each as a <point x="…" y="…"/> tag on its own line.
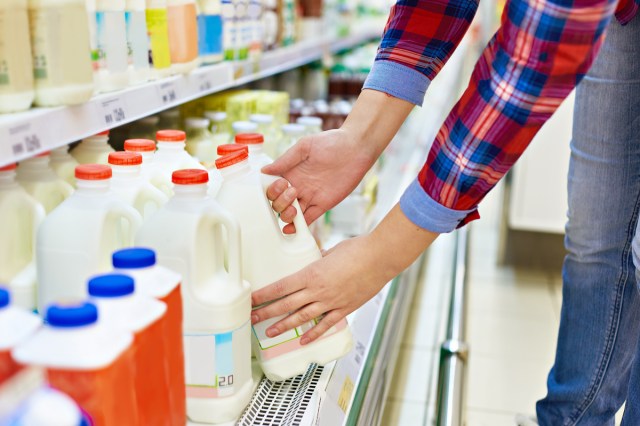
<point x="168" y="92"/>
<point x="24" y="140"/>
<point x="204" y="83"/>
<point x="114" y="111"/>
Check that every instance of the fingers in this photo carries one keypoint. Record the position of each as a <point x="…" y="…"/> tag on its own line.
<point x="329" y="320"/>
<point x="288" y="214"/>
<point x="277" y="290"/>
<point x="283" y="306"/>
<point x="276" y="189"/>
<point x="285" y="200"/>
<point x="300" y="317"/>
<point x="289" y="228"/>
<point x="287" y="161"/>
<point x="312" y="213"/>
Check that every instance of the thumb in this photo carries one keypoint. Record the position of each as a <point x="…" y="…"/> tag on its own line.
<point x="287" y="161"/>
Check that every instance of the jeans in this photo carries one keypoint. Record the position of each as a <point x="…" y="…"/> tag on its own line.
<point x="597" y="364"/>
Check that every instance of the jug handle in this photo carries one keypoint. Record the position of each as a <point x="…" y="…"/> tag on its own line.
<point x="233" y="240"/>
<point x="130" y="214"/>
<point x="155" y="195"/>
<point x="302" y="229"/>
<point x="65" y="188"/>
<point x="38" y="217"/>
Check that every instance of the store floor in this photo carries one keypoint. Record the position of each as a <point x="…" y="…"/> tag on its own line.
<point x="512" y="323"/>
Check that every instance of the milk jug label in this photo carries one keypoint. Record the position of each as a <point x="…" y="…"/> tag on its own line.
<point x="260" y="331"/>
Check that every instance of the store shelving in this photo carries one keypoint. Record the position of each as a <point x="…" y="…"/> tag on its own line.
<point x="28" y="133"/>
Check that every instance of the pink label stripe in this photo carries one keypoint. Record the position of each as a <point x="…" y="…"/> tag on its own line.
<point x="201" y="392"/>
<point x="294" y="344"/>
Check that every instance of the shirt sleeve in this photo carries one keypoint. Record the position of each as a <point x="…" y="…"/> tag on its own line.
<point x="418" y="39"/>
<point x="536" y="58"/>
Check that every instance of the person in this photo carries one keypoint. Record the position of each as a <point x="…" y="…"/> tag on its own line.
<point x="541" y="51"/>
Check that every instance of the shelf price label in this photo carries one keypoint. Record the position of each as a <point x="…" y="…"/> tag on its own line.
<point x="168" y="92"/>
<point x="114" y="111"/>
<point x="24" y="140"/>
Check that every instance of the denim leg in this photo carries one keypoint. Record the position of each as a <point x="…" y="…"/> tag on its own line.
<point x="600" y="318"/>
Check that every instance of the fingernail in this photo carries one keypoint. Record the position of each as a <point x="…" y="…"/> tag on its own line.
<point x="254" y="319"/>
<point x="304" y="340"/>
<point x="290" y="193"/>
<point x="272" y="332"/>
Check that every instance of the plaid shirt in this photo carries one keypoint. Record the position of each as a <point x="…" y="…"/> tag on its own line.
<point x="541" y="51"/>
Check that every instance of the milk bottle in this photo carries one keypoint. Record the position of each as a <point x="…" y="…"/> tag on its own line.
<point x="163" y="284"/>
<point x="20" y="216"/>
<point x="243" y="127"/>
<point x="121" y="309"/>
<point x="129" y="185"/>
<point x="267" y="256"/>
<point x="291" y="134"/>
<point x="76" y="240"/>
<point x="183" y="35"/>
<point x="219" y="127"/>
<point x="158" y="30"/>
<point x="64" y="164"/>
<point x="37" y="177"/>
<point x="145" y="147"/>
<point x="86" y="359"/>
<point x="255" y="142"/>
<point x="94" y="149"/>
<point x="187" y="237"/>
<point x="61" y="52"/>
<point x="267" y="129"/>
<point x="171" y="156"/>
<point x="231" y="148"/>
<point x="199" y="141"/>
<point x="312" y="124"/>
<point x="16" y="325"/>
<point x="16" y="74"/>
<point x="150" y="170"/>
<point x="43" y="406"/>
<point x="210" y="31"/>
<point x="137" y="42"/>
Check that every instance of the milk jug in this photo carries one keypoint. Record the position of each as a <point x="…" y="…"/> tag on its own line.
<point x="16" y="73"/>
<point x="199" y="140"/>
<point x="94" y="149"/>
<point x="183" y="35"/>
<point x="171" y="156"/>
<point x="76" y="240"/>
<point x="20" y="216"/>
<point x="130" y="186"/>
<point x="244" y="127"/>
<point x="291" y="134"/>
<point x="267" y="256"/>
<point x="61" y="52"/>
<point x="145" y="147"/>
<point x="137" y="42"/>
<point x="16" y="325"/>
<point x="163" y="284"/>
<point x="43" y="406"/>
<point x="64" y="164"/>
<point x="266" y="127"/>
<point x="150" y="170"/>
<point x="37" y="177"/>
<point x="219" y="127"/>
<point x="86" y="359"/>
<point x="255" y="142"/>
<point x="312" y="124"/>
<point x="158" y="30"/>
<point x="123" y="310"/>
<point x="231" y="148"/>
<point x="187" y="237"/>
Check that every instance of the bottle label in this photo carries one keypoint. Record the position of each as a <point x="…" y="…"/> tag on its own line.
<point x="158" y="30"/>
<point x="110" y="53"/>
<point x="210" y="34"/>
<point x="137" y="40"/>
<point x="217" y="365"/>
<point x="229" y="33"/>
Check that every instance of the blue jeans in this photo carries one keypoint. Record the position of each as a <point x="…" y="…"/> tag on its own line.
<point x="597" y="364"/>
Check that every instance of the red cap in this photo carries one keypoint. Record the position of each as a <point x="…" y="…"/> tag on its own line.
<point x="190" y="177"/>
<point x="231" y="159"/>
<point x="8" y="167"/>
<point x="125" y="158"/>
<point x="139" y="145"/>
<point x="93" y="172"/>
<point x="249" y="138"/>
<point x="44" y="154"/>
<point x="104" y="133"/>
<point x="229" y="148"/>
<point x="171" y="136"/>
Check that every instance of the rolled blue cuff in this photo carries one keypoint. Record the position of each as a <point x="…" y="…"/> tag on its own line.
<point x="427" y="213"/>
<point x="397" y="80"/>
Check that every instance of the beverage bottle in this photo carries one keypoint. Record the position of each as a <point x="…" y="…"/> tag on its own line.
<point x="312" y="124"/>
<point x="76" y="239"/>
<point x="187" y="235"/>
<point x="64" y="164"/>
<point x="200" y="141"/>
<point x="267" y="256"/>
<point x="210" y="31"/>
<point x="138" y="47"/>
<point x="163" y="284"/>
<point x="158" y="31"/>
<point x="171" y="156"/>
<point x="86" y="359"/>
<point x="94" y="149"/>
<point x="121" y="309"/>
<point x="243" y="127"/>
<point x="255" y="143"/>
<point x="219" y="127"/>
<point x="183" y="35"/>
<point x="230" y="36"/>
<point x="266" y="127"/>
<point x="37" y="177"/>
<point x="291" y="134"/>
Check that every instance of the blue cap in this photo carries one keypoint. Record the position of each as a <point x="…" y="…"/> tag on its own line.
<point x="72" y="316"/>
<point x="5" y="297"/>
<point x="111" y="285"/>
<point x="133" y="258"/>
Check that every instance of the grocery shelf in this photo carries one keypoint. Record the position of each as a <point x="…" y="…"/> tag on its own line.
<point x="25" y="134"/>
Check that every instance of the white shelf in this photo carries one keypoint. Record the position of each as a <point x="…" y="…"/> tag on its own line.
<point x="25" y="134"/>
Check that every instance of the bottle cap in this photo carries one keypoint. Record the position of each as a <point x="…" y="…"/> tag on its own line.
<point x="93" y="172"/>
<point x="5" y="297"/>
<point x="244" y="127"/>
<point x="171" y="136"/>
<point x="190" y="177"/>
<point x="44" y="154"/>
<point x="216" y="116"/>
<point x="139" y="145"/>
<point x="309" y="120"/>
<point x="123" y="158"/>
<point x="111" y="285"/>
<point x="293" y="129"/>
<point x="8" y="167"/>
<point x="249" y="138"/>
<point x="231" y="159"/>
<point x="133" y="258"/>
<point x="261" y="118"/>
<point x="72" y="316"/>
<point x="229" y="148"/>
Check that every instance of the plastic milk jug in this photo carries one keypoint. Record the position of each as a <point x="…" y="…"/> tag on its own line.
<point x="42" y="406"/>
<point x="76" y="240"/>
<point x="268" y="255"/>
<point x="187" y="237"/>
<point x="16" y="325"/>
<point x="215" y="178"/>
<point x="16" y="74"/>
<point x="94" y="149"/>
<point x="150" y="170"/>
<point x="255" y="142"/>
<point x="158" y="31"/>
<point x="171" y="156"/>
<point x="200" y="141"/>
<point x="141" y="315"/>
<point x="64" y="164"/>
<point x="87" y="360"/>
<point x="183" y="35"/>
<point x="131" y="187"/>
<point x="291" y="134"/>
<point x="20" y="216"/>
<point x="38" y="178"/>
<point x="163" y="284"/>
<point x="244" y="127"/>
<point x="266" y="127"/>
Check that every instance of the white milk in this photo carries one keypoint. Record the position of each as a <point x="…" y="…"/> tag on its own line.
<point x="137" y="42"/>
<point x="94" y="149"/>
<point x="219" y="127"/>
<point x="109" y="54"/>
<point x="150" y="170"/>
<point x="171" y="156"/>
<point x="187" y="237"/>
<point x="255" y="142"/>
<point x="38" y="178"/>
<point x="291" y="134"/>
<point x="61" y="52"/>
<point x="64" y="164"/>
<point x="76" y="240"/>
<point x="16" y="74"/>
<point x="267" y="256"/>
<point x="131" y="187"/>
<point x="312" y="124"/>
<point x="266" y="127"/>
<point x="20" y="216"/>
<point x="199" y="140"/>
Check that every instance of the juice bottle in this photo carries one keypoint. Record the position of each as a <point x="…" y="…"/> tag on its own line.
<point x="87" y="360"/>
<point x="187" y="235"/>
<point x="16" y="73"/>
<point x="76" y="240"/>
<point x="20" y="217"/>
<point x="199" y="140"/>
<point x="210" y="31"/>
<point x="94" y="149"/>
<point x="171" y="156"/>
<point x="61" y="52"/>
<point x="255" y="143"/>
<point x="158" y="31"/>
<point x="123" y="310"/>
<point x="163" y="284"/>
<point x="64" y="164"/>
<point x="183" y="35"/>
<point x="37" y="177"/>
<point x="138" y="46"/>
<point x="16" y="325"/>
<point x="267" y="256"/>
